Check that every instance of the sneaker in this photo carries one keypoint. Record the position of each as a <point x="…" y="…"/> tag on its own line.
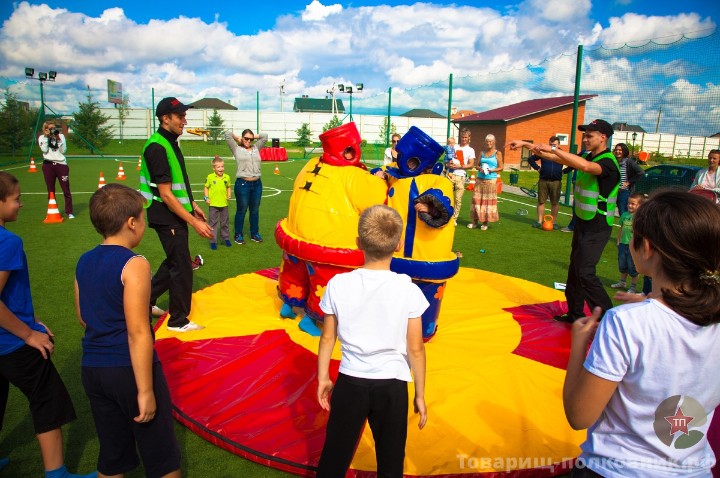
<point x="256" y="238"/>
<point x="213" y="246"/>
<point x="566" y="229"/>
<point x="239" y="239"/>
<point x="565" y="318"/>
<point x="471" y="226"/>
<point x="189" y="327"/>
<point x="197" y="262"/>
<point x="156" y="311"/>
<point x="483" y="227"/>
<point x="71" y="216"/>
<point x="556" y="227"/>
<point x="537" y="225"/>
<point x="228" y="243"/>
<point x="618" y="285"/>
<point x="631" y="290"/>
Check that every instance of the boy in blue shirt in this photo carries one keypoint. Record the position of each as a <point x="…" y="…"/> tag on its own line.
<point x="121" y="372"/>
<point x="26" y="344"/>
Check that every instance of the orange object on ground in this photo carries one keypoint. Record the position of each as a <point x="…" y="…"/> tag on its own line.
<point x="53" y="214"/>
<point x="499" y="184"/>
<point x="121" y="173"/>
<point x="139" y="163"/>
<point x="101" y="181"/>
<point x="32" y="169"/>
<point x="277" y="170"/>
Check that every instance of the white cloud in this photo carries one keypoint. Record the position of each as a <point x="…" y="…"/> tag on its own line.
<point x="412" y="48"/>
<point x="316" y="11"/>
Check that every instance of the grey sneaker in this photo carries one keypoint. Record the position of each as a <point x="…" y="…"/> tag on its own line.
<point x="566" y="229"/>
<point x="618" y="285"/>
<point x="189" y="327"/>
<point x="631" y="290"/>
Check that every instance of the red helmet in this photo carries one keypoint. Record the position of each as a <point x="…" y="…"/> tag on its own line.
<point x="341" y="146"/>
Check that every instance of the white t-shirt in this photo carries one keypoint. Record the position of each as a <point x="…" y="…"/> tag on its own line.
<point x="387" y="158"/>
<point x="372" y="309"/>
<point x="468" y="154"/>
<point x="666" y="367"/>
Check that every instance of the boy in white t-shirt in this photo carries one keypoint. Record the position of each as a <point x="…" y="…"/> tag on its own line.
<point x="375" y="367"/>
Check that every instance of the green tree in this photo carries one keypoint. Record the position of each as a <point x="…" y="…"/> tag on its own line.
<point x="216" y="124"/>
<point x="303" y="135"/>
<point x="333" y="123"/>
<point x="384" y="136"/>
<point x="89" y="130"/>
<point x="123" y="113"/>
<point x="16" y="125"/>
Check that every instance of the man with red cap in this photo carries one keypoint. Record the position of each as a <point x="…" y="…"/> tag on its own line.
<point x="596" y="189"/>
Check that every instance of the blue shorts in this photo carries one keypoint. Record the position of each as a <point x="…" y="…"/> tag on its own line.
<point x="37" y="378"/>
<point x="112" y="393"/>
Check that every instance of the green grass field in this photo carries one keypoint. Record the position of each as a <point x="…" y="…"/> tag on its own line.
<point x="510" y="247"/>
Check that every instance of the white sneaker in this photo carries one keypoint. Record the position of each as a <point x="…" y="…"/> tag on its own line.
<point x="189" y="327"/>
<point x="71" y="216"/>
<point x="157" y="311"/>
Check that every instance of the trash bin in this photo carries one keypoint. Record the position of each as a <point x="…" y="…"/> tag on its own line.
<point x="276" y="142"/>
<point x="514" y="176"/>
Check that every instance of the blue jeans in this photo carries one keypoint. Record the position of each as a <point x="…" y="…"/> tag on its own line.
<point x="248" y="195"/>
<point x="625" y="261"/>
<point x="622" y="200"/>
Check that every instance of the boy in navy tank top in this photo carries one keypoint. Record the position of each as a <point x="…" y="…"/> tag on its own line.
<point x="121" y="372"/>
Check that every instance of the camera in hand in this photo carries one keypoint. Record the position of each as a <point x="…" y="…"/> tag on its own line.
<point x="53" y="143"/>
<point x="54" y="131"/>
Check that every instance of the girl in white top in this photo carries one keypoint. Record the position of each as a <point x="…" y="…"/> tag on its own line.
<point x="648" y="387"/>
<point x="709" y="178"/>
<point x="390" y="153"/>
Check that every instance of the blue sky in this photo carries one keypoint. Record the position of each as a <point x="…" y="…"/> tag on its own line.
<point x="231" y="50"/>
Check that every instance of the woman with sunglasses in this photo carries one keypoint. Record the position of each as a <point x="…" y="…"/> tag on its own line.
<point x="248" y="185"/>
<point x="390" y="155"/>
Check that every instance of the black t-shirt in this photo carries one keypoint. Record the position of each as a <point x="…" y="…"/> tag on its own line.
<point x="607" y="180"/>
<point x="159" y="215"/>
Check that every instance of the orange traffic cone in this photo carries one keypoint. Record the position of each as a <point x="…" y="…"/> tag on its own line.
<point x="53" y="214"/>
<point x="32" y="169"/>
<point x="139" y="163"/>
<point x="101" y="182"/>
<point x="277" y="170"/>
<point x="121" y="174"/>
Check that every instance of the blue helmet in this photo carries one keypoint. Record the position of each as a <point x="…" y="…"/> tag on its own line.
<point x="417" y="152"/>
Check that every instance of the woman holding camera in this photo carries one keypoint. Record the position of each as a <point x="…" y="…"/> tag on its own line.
<point x="53" y="146"/>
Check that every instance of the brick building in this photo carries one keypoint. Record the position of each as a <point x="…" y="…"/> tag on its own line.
<point x="533" y="120"/>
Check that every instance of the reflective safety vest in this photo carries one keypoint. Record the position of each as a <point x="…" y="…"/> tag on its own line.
<point x="587" y="194"/>
<point x="178" y="181"/>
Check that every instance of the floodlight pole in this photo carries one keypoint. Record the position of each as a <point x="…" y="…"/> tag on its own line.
<point x="42" y="78"/>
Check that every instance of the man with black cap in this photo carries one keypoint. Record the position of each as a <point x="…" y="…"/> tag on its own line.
<point x="596" y="188"/>
<point x="170" y="208"/>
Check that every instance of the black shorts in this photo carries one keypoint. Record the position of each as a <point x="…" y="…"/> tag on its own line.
<point x="37" y="378"/>
<point x="112" y="393"/>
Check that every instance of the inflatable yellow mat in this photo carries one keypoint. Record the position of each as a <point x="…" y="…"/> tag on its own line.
<point x="495" y="368"/>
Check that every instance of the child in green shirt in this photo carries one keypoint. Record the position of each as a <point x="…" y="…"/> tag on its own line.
<point x="217" y="194"/>
<point x="625" y="260"/>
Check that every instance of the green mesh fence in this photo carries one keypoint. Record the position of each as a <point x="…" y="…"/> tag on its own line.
<point x="663" y="95"/>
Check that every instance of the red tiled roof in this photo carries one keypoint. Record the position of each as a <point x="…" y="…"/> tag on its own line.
<point x="524" y="108"/>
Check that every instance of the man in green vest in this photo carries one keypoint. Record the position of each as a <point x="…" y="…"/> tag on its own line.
<point x="170" y="208"/>
<point x="596" y="188"/>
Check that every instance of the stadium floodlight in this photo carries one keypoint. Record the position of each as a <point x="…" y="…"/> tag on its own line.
<point x="51" y="75"/>
<point x="359" y="86"/>
<point x="29" y="72"/>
